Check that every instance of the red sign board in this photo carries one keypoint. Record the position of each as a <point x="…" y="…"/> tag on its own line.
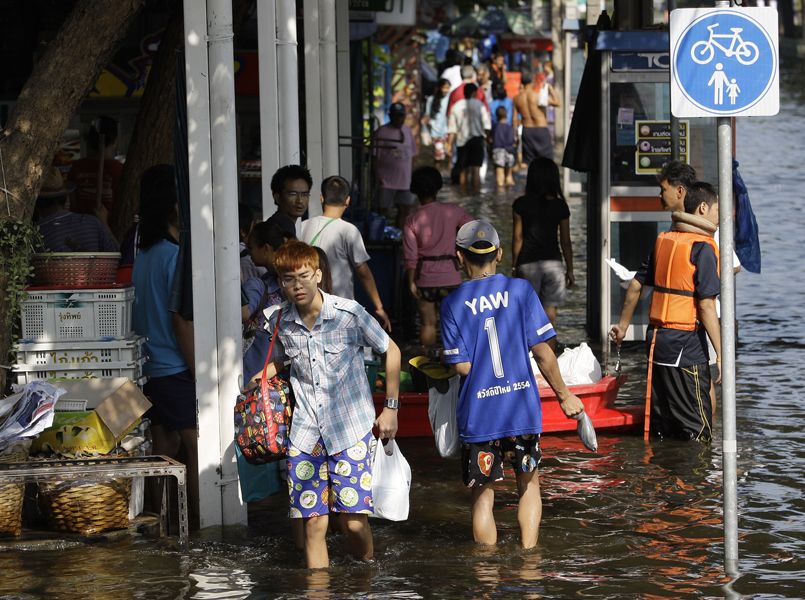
<point x="523" y="43"/>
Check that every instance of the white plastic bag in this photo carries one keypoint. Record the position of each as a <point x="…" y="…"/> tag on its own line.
<point x="442" y="409"/>
<point x="391" y="482"/>
<point x="543" y="95"/>
<point x="579" y="366"/>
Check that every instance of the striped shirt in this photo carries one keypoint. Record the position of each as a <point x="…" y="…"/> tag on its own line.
<point x="72" y="232"/>
<point x="333" y="398"/>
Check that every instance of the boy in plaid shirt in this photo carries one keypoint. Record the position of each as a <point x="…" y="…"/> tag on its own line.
<point x="331" y="440"/>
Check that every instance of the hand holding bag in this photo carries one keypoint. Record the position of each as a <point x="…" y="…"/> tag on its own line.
<point x="263" y="416"/>
<point x="391" y="482"/>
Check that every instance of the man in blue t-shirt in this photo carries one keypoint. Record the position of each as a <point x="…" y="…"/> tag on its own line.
<point x="488" y="318"/>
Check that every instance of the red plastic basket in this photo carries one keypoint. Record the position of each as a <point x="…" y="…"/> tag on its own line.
<point x="75" y="269"/>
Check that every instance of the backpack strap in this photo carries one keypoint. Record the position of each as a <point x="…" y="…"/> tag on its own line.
<point x="316" y="237"/>
<point x="263" y="381"/>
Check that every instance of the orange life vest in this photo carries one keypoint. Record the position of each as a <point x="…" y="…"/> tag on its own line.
<point x="673" y="304"/>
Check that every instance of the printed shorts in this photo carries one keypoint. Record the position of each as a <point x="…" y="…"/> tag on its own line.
<point x="482" y="462"/>
<point x="436" y="294"/>
<point x="502" y="158"/>
<point x="547" y="277"/>
<point x="319" y="483"/>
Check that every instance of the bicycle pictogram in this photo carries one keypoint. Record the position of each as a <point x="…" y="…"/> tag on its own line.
<point x="745" y="52"/>
<point x="724" y="62"/>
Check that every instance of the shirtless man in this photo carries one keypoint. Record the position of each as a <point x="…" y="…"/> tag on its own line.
<point x="533" y="116"/>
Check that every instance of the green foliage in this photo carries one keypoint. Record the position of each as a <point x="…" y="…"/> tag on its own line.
<point x="17" y="242"/>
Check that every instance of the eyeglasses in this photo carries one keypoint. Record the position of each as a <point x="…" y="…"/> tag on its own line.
<point x="296" y="195"/>
<point x="302" y="279"/>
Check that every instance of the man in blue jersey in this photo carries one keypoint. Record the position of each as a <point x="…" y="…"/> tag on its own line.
<point x="489" y="325"/>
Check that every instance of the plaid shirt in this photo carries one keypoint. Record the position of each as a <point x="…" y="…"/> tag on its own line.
<point x="333" y="398"/>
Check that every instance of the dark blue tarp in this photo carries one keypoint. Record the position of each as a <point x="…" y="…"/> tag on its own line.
<point x="747" y="242"/>
<point x="581" y="150"/>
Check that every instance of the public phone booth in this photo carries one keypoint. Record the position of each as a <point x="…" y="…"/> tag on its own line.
<point x="624" y="209"/>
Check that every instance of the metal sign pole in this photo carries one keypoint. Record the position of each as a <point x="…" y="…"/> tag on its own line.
<point x="674" y="120"/>
<point x="728" y="427"/>
<point x="729" y="442"/>
<point x="725" y="63"/>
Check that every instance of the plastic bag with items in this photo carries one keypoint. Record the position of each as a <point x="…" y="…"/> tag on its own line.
<point x="579" y="366"/>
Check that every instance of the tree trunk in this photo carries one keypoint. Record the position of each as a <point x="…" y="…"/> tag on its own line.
<point x="58" y="84"/>
<point x="152" y="140"/>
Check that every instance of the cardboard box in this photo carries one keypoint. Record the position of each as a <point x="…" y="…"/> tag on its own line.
<point x="117" y="407"/>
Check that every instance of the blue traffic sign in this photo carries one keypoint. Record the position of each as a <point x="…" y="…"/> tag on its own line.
<point x="724" y="62"/>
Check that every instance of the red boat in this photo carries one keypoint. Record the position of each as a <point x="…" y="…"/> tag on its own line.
<point x="598" y="399"/>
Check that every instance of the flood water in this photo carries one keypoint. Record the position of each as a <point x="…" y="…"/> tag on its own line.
<point x="633" y="520"/>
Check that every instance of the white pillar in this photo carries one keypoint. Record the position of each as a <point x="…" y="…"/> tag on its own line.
<point x="344" y="90"/>
<point x="269" y="99"/>
<point x="223" y="141"/>
<point x="328" y="69"/>
<point x="287" y="83"/>
<point x="313" y="101"/>
<point x="201" y="227"/>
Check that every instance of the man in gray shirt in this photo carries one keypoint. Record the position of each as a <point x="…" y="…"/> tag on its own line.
<point x="343" y="245"/>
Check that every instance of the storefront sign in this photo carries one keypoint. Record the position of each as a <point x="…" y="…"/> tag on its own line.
<point x="400" y="12"/>
<point x="372" y="5"/>
<point x="526" y="44"/>
<point x="640" y="61"/>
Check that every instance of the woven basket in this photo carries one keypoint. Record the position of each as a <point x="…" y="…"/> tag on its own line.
<point x="86" y="508"/>
<point x="11" y="496"/>
<point x="75" y="269"/>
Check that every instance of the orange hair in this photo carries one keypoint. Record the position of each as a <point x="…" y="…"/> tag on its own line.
<point x="294" y="255"/>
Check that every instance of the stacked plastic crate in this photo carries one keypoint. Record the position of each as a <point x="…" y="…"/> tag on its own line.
<point x="79" y="334"/>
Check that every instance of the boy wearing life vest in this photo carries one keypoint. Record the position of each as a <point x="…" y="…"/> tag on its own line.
<point x="684" y="270"/>
<point x="490" y="324"/>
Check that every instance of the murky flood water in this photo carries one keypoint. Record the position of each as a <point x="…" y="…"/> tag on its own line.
<point x="631" y="521"/>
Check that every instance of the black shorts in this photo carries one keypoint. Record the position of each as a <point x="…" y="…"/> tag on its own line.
<point x="174" y="401"/>
<point x="680" y="402"/>
<point x="435" y="294"/>
<point x="482" y="462"/>
<point x="472" y="153"/>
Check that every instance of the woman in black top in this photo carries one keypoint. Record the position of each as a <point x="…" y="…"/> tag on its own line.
<point x="541" y="226"/>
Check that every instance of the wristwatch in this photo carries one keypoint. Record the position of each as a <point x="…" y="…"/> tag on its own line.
<point x="393" y="403"/>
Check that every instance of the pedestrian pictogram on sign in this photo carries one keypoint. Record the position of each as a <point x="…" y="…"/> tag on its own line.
<point x="724" y="62"/>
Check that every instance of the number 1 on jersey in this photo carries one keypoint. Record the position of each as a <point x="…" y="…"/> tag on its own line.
<point x="494" y="346"/>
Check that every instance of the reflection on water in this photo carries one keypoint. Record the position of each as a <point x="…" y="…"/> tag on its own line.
<point x="633" y="520"/>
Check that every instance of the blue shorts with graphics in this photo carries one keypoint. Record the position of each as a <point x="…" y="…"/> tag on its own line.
<point x="319" y="484"/>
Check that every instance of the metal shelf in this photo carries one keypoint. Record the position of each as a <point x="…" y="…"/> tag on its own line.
<point x="102" y="469"/>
